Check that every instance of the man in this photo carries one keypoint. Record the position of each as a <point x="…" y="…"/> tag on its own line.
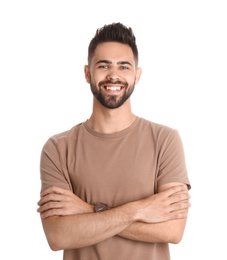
<point x="116" y="185"/>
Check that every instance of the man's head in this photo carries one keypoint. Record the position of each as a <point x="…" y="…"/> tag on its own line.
<point x="115" y="32"/>
<point x="112" y="69"/>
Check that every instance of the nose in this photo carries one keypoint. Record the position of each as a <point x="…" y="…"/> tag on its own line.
<point x="112" y="74"/>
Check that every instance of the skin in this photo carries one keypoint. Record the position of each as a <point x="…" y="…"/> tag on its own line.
<point x="71" y="223"/>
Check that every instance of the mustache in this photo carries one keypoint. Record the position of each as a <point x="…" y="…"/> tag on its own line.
<point x="101" y="83"/>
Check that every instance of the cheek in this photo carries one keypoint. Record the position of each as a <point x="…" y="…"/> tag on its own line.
<point x="97" y="77"/>
<point x="130" y="79"/>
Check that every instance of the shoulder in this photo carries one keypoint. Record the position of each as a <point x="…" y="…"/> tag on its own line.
<point x="161" y="135"/>
<point x="157" y="129"/>
<point x="62" y="138"/>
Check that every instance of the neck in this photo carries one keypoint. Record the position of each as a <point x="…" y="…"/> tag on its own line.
<point x="108" y="121"/>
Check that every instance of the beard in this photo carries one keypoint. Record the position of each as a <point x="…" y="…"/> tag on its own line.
<point x="112" y="101"/>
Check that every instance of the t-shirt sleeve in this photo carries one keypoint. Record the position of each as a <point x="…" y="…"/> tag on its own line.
<point x="171" y="161"/>
<point x="52" y="172"/>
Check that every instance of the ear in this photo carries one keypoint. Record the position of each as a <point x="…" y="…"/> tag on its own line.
<point x="87" y="74"/>
<point x="138" y="74"/>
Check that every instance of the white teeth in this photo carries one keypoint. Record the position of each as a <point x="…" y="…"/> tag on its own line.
<point x="113" y="88"/>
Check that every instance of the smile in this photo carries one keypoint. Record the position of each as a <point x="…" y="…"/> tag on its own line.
<point x="112" y="88"/>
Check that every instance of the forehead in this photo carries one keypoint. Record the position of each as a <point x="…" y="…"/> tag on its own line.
<point x="113" y="51"/>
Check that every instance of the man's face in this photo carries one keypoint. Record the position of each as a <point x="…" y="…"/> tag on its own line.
<point x="112" y="74"/>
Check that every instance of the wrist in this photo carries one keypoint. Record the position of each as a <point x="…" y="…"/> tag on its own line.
<point x="100" y="206"/>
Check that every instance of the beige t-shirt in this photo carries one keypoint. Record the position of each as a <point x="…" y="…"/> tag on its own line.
<point x="115" y="169"/>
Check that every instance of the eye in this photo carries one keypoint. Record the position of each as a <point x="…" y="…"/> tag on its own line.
<point x="124" y="68"/>
<point x="103" y="67"/>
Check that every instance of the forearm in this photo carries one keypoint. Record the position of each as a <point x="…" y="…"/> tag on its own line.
<point x="80" y="230"/>
<point x="165" y="232"/>
<point x="69" y="222"/>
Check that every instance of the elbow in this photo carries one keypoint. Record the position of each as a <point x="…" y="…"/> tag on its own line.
<point x="176" y="231"/>
<point x="54" y="246"/>
<point x="53" y="234"/>
<point x="175" y="239"/>
<point x="54" y="243"/>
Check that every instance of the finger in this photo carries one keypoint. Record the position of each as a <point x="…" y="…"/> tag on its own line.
<point x="51" y="197"/>
<point x="53" y="189"/>
<point x="49" y="206"/>
<point x="180" y="206"/>
<point x="52" y="212"/>
<point x="178" y="197"/>
<point x="179" y="214"/>
<point x="175" y="189"/>
<point x="62" y="211"/>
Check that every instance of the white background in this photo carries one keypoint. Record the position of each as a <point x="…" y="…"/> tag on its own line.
<point x="183" y="54"/>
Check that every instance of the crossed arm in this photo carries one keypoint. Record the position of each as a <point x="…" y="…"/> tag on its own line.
<point x="70" y="223"/>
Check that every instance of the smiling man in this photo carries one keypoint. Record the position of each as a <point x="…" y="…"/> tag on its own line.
<point x="118" y="75"/>
<point x="114" y="186"/>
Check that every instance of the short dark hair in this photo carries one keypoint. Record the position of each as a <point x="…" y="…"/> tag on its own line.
<point x="115" y="32"/>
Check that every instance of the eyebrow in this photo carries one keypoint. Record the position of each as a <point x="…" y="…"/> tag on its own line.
<point x="110" y="62"/>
